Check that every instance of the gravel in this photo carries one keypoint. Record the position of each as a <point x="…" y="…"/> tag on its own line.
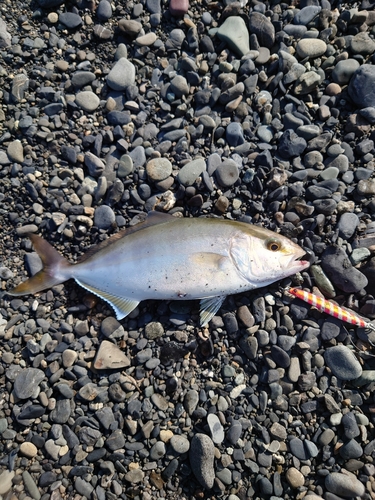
<point x="255" y="111"/>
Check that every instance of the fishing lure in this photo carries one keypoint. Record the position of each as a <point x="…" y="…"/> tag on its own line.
<point x="330" y="308"/>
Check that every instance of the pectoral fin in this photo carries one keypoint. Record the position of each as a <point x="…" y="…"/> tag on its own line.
<point x="209" y="308"/>
<point x="121" y="305"/>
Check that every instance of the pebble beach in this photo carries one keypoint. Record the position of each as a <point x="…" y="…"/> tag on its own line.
<point x="261" y="112"/>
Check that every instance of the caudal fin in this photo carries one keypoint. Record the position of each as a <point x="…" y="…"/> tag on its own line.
<point x="54" y="269"/>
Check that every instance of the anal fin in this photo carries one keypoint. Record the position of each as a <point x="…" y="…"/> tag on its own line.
<point x="209" y="307"/>
<point x="121" y="305"/>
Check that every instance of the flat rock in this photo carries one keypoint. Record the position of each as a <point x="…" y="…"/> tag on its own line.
<point x="227" y="173"/>
<point x="70" y="19"/>
<point x="110" y="357"/>
<point x="178" y="7"/>
<point x="5" y="37"/>
<point x="104" y="217"/>
<point x="104" y="10"/>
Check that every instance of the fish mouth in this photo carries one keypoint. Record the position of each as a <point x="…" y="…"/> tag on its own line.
<point x="301" y="262"/>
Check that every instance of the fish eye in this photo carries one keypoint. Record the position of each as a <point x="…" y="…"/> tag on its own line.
<point x="273" y="244"/>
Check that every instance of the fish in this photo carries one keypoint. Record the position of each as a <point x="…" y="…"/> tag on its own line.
<point x="172" y="258"/>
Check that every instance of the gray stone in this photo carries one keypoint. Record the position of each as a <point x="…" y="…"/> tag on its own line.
<point x="227" y="173"/>
<point x="121" y="75"/>
<point x="30" y="485"/>
<point x="343" y="363"/>
<point x="70" y="19"/>
<point x="191" y="401"/>
<point x="216" y="429"/>
<point x="158" y="450"/>
<point x="88" y="101"/>
<point x="180" y="444"/>
<point x="263" y="28"/>
<point x="5" y="37"/>
<point x="158" y="169"/>
<point x="202" y="460"/>
<point x="104" y="10"/>
<point x="344" y="70"/>
<point x="26" y="384"/>
<point x="191" y="171"/>
<point x="362" y="86"/>
<point x="94" y="164"/>
<point x="234" y="32"/>
<point x="104" y="217"/>
<point x="15" y="151"/>
<point x="311" y="47"/>
<point x="346" y="485"/>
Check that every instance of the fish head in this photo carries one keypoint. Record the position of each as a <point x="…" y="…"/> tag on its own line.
<point x="263" y="257"/>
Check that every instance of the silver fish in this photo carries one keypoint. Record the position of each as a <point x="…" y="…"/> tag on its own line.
<point x="171" y="258"/>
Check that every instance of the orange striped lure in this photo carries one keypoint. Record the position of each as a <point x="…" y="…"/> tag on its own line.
<point x="330" y="308"/>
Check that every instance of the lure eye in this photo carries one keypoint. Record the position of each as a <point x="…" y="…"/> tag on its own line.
<point x="273" y="245"/>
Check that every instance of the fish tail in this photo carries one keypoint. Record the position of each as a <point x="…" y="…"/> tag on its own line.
<point x="53" y="273"/>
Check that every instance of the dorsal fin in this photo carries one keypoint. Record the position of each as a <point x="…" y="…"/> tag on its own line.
<point x="152" y="219"/>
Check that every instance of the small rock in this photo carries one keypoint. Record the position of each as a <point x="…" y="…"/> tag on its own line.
<point x="216" y="429"/>
<point x="234" y="32"/>
<point x="191" y="171"/>
<point x="122" y="75"/>
<point x="110" y="357"/>
<point x="26" y="384"/>
<point x="295" y="478"/>
<point x="343" y="363"/>
<point x="29" y="450"/>
<point x="104" y="217"/>
<point x="88" y="101"/>
<point x="6" y="481"/>
<point x="15" y="151"/>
